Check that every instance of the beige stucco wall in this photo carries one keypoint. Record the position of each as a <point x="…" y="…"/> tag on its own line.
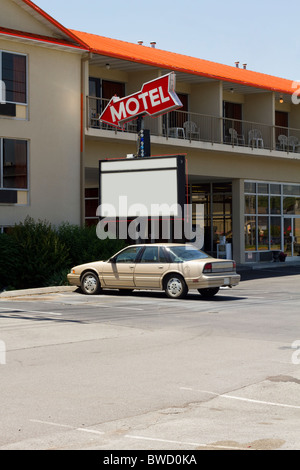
<point x="260" y="108"/>
<point x="214" y="163"/>
<point x="206" y="98"/>
<point x="53" y="132"/>
<point x="14" y="17"/>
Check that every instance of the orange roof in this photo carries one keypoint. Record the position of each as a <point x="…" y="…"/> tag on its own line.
<point x="182" y="63"/>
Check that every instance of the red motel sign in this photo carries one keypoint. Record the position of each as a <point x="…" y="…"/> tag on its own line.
<point x="156" y="97"/>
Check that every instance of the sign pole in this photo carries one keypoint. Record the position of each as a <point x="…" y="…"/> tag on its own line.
<point x="143" y="142"/>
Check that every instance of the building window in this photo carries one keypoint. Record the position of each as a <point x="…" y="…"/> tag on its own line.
<point x="13" y="171"/>
<point x="250" y="233"/>
<point x="217" y="201"/>
<point x="272" y="212"/>
<point x="14" y="75"/>
<point x="91" y="205"/>
<point x="275" y="231"/>
<point x="263" y="233"/>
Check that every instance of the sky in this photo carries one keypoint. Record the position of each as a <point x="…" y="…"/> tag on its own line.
<point x="264" y="34"/>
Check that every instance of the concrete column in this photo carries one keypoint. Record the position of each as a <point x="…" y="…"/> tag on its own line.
<point x="238" y="220"/>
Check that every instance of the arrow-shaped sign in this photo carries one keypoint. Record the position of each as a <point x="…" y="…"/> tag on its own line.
<point x="156" y="97"/>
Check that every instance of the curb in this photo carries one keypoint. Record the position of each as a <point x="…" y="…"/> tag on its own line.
<point x="268" y="265"/>
<point x="37" y="291"/>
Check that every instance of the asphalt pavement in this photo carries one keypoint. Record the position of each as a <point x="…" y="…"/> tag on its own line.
<point x="144" y="372"/>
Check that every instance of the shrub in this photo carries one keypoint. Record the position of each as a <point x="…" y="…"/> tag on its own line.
<point x="84" y="245"/>
<point x="10" y="261"/>
<point x="36" y="254"/>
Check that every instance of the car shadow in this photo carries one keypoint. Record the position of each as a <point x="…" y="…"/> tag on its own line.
<point x="191" y="296"/>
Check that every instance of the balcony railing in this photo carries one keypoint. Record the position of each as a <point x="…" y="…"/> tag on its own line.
<point x="204" y="128"/>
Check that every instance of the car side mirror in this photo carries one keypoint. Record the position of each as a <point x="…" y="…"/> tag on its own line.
<point x="113" y="259"/>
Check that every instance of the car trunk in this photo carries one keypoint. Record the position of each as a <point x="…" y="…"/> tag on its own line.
<point x="222" y="267"/>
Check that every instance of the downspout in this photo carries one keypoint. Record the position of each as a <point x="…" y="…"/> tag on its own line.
<point x="82" y="140"/>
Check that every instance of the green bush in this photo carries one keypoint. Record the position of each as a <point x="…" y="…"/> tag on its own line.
<point x="36" y="254"/>
<point x="10" y="261"/>
<point x="35" y="251"/>
<point x="84" y="245"/>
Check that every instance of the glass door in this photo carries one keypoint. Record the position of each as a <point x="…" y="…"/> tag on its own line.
<point x="297" y="236"/>
<point x="292" y="236"/>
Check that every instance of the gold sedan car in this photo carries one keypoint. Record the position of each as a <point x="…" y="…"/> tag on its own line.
<point x="174" y="268"/>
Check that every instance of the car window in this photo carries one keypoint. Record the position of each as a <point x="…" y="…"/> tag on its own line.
<point x="179" y="254"/>
<point x="154" y="254"/>
<point x="150" y="255"/>
<point x="163" y="258"/>
<point x="128" y="255"/>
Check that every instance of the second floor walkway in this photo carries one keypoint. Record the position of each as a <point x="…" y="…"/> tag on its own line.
<point x="193" y="127"/>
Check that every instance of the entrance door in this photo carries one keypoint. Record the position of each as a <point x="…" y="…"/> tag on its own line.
<point x="110" y="89"/>
<point x="177" y="118"/>
<point x="281" y="123"/>
<point x="232" y="113"/>
<point x="292" y="236"/>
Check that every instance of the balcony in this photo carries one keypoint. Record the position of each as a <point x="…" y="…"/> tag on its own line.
<point x="193" y="127"/>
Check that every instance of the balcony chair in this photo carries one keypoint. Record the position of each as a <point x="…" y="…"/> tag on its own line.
<point x="191" y="130"/>
<point x="255" y="138"/>
<point x="293" y="142"/>
<point x="283" y="142"/>
<point x="235" y="137"/>
<point x="94" y="118"/>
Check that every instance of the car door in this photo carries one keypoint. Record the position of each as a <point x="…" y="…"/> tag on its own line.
<point x="118" y="272"/>
<point x="150" y="268"/>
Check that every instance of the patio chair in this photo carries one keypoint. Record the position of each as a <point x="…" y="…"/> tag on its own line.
<point x="255" y="138"/>
<point x="191" y="130"/>
<point x="94" y="120"/>
<point x="235" y="137"/>
<point x="283" y="142"/>
<point x="293" y="142"/>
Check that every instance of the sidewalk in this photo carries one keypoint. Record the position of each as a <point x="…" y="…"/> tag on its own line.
<point x="267" y="265"/>
<point x="37" y="291"/>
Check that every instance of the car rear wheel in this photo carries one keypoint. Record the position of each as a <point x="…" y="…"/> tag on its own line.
<point x="175" y="287"/>
<point x="90" y="283"/>
<point x="209" y="292"/>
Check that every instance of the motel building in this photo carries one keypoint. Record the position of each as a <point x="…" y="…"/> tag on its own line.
<point x="239" y="130"/>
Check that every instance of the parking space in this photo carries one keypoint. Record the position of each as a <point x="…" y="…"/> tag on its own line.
<point x="142" y="371"/>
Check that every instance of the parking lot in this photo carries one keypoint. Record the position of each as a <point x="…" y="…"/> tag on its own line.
<point x="146" y="372"/>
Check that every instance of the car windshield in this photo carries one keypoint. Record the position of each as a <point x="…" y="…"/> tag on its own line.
<point x="179" y="254"/>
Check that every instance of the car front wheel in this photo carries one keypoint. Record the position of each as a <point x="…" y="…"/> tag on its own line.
<point x="175" y="287"/>
<point x="209" y="292"/>
<point x="90" y="283"/>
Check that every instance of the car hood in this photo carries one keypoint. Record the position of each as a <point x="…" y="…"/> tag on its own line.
<point x="94" y="265"/>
